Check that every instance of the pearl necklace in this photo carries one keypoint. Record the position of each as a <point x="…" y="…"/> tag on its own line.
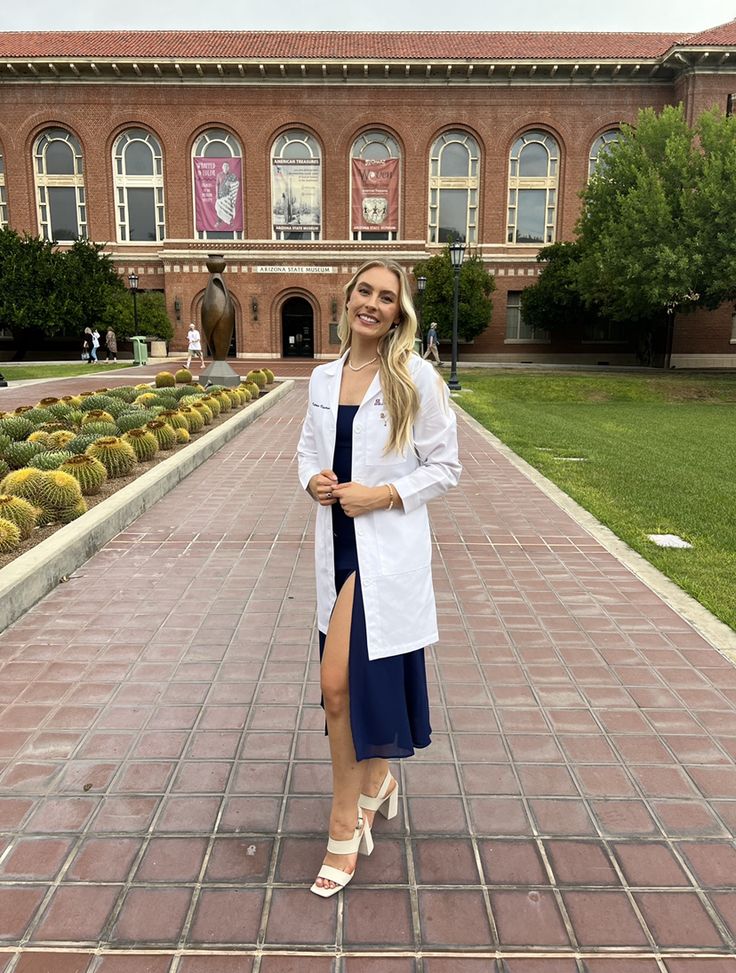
<point x="361" y="367"/>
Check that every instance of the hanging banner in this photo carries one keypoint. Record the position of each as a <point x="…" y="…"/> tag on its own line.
<point x="218" y="193"/>
<point x="297" y="195"/>
<point x="375" y="195"/>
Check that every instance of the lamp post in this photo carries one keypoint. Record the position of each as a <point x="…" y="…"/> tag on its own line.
<point x="421" y="284"/>
<point x="133" y="284"/>
<point x="457" y="252"/>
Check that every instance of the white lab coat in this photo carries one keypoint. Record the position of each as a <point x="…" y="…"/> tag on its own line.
<point x="394" y="546"/>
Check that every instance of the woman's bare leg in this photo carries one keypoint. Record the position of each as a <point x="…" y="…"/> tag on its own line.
<point x="374" y="773"/>
<point x="347" y="773"/>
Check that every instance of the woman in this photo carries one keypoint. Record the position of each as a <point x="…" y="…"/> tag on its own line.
<point x="95" y="345"/>
<point x="194" y="345"/>
<point x="378" y="442"/>
<point x="111" y="343"/>
<point x="88" y="345"/>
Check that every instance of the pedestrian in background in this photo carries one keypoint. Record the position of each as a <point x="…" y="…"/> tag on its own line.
<point x="194" y="345"/>
<point x="111" y="343"/>
<point x="433" y="344"/>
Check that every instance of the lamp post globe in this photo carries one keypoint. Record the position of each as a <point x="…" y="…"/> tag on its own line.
<point x="457" y="254"/>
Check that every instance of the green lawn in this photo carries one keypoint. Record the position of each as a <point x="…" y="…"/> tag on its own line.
<point x="19" y="373"/>
<point x="660" y="457"/>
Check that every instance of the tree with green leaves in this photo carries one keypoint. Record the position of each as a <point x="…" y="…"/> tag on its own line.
<point x="554" y="303"/>
<point x="153" y="319"/>
<point x="474" y="298"/>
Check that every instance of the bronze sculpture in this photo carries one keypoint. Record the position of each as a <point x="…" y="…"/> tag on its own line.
<point x="218" y="321"/>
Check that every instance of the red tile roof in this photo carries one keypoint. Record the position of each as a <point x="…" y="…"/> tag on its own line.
<point x="436" y="45"/>
<point x="722" y="36"/>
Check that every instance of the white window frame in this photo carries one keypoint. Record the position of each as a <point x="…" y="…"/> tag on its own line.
<point x="515" y="322"/>
<point x="469" y="182"/>
<point x="123" y="181"/>
<point x="3" y="197"/>
<point x="609" y="137"/>
<point x="231" y="147"/>
<point x="393" y="151"/>
<point x="548" y="183"/>
<point x="45" y="180"/>
<point x="312" y="150"/>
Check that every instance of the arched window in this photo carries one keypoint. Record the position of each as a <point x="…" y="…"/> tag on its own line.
<point x="3" y="197"/>
<point x="375" y="182"/>
<point x="139" y="187"/>
<point x="296" y="187"/>
<point x="600" y="147"/>
<point x="217" y="174"/>
<point x="59" y="172"/>
<point x="453" y="188"/>
<point x="533" y="177"/>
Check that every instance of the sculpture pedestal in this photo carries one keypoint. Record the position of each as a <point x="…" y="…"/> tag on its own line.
<point x="219" y="373"/>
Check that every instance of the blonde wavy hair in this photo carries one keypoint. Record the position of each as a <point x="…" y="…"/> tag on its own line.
<point x="400" y="396"/>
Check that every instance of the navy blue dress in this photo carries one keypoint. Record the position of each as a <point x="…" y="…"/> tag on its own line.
<point x="389" y="706"/>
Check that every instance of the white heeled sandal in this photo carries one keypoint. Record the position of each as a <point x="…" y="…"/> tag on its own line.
<point x="384" y="802"/>
<point x="361" y="842"/>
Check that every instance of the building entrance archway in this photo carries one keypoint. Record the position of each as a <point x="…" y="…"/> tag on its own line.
<point x="297" y="328"/>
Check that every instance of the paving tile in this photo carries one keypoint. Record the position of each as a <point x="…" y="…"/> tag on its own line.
<point x="693" y="964"/>
<point x="600" y="964"/>
<point x="18" y="905"/>
<point x="678" y="919"/>
<point x="171" y="860"/>
<point x="217" y="964"/>
<point x="649" y="864"/>
<point x="378" y="917"/>
<point x="512" y="863"/>
<point x="152" y="915"/>
<point x="453" y="917"/>
<point x="48" y="962"/>
<point x="561" y="817"/>
<point x="379" y="964"/>
<point x="499" y="816"/>
<point x="139" y="963"/>
<point x="103" y="860"/>
<point x="581" y="863"/>
<point x="624" y="818"/>
<point x="714" y="863"/>
<point x="445" y="861"/>
<point x="227" y="916"/>
<point x="525" y="918"/>
<point x="35" y="859"/>
<point x="306" y="964"/>
<point x="236" y="860"/>
<point x="603" y="919"/>
<point x="77" y="913"/>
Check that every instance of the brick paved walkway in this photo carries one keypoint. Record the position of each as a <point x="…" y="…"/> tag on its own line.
<point x="163" y="768"/>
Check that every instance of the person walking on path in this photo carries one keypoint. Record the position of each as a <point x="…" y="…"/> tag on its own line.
<point x="95" y="345"/>
<point x="433" y="344"/>
<point x="378" y="442"/>
<point x="194" y="345"/>
<point x="111" y="343"/>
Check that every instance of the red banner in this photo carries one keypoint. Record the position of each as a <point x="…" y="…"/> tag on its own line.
<point x="375" y="196"/>
<point x="218" y="193"/>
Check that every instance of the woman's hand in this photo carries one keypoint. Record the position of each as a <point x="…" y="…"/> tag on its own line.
<point x="321" y="488"/>
<point x="357" y="499"/>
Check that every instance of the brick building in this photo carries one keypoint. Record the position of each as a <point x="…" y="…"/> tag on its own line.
<point x="299" y="155"/>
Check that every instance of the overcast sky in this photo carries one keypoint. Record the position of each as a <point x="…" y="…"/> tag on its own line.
<point x="622" y="15"/>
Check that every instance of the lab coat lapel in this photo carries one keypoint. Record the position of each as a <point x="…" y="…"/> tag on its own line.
<point x="333" y="374"/>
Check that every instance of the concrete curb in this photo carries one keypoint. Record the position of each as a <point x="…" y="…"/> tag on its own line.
<point x="32" y="575"/>
<point x="712" y="629"/>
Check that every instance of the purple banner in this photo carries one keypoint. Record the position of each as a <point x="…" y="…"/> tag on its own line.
<point x="218" y="193"/>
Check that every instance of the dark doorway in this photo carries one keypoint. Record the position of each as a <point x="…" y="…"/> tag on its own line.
<point x="297" y="328"/>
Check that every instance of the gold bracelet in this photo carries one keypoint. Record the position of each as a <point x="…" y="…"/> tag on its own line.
<point x="391" y="496"/>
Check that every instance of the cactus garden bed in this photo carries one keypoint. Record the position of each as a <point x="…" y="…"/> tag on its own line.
<point x="61" y="457"/>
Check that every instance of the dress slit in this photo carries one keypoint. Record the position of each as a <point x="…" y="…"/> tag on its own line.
<point x="389" y="704"/>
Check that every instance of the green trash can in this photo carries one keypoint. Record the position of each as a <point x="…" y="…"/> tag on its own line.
<point x="140" y="349"/>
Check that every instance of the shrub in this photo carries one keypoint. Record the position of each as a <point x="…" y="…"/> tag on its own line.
<point x="16" y="427"/>
<point x="195" y="421"/>
<point x="165" y="380"/>
<point x="9" y="537"/>
<point x="60" y="411"/>
<point x="270" y="377"/>
<point x="5" y="441"/>
<point x="19" y="512"/>
<point x="60" y="439"/>
<point x="89" y="473"/>
<point x="254" y="389"/>
<point x="257" y="376"/>
<point x="135" y="420"/>
<point x="166" y="400"/>
<point x="49" y="400"/>
<point x="38" y="415"/>
<point x="212" y="404"/>
<point x="204" y="410"/>
<point x="26" y="483"/>
<point x="80" y="443"/>
<point x="4" y="469"/>
<point x="165" y="435"/>
<point x="223" y="400"/>
<point x="58" y="490"/>
<point x="174" y="418"/>
<point x="67" y="514"/>
<point x="73" y="400"/>
<point x="17" y="455"/>
<point x="41" y="437"/>
<point x="51" y="459"/>
<point x="21" y="409"/>
<point x="182" y="435"/>
<point x="143" y="443"/>
<point x="116" y="456"/>
<point x="183" y="376"/>
<point x="101" y="428"/>
<point x="96" y="415"/>
<point x="145" y="398"/>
